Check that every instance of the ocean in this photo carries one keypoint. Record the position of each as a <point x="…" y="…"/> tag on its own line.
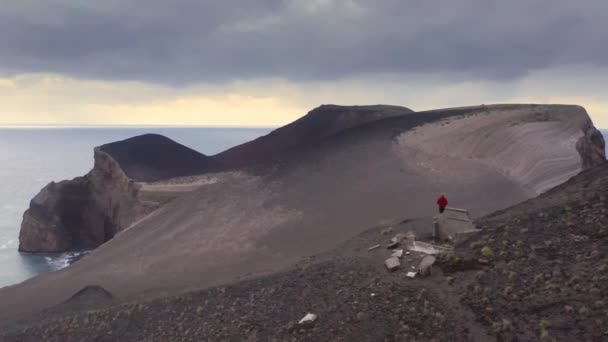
<point x="30" y="158"/>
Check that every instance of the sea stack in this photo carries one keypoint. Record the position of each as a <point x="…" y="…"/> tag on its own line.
<point x="88" y="211"/>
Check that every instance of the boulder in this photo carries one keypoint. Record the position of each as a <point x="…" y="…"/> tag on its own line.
<point x="454" y="225"/>
<point x="426" y="264"/>
<point x="309" y="318"/>
<point x="392" y="263"/>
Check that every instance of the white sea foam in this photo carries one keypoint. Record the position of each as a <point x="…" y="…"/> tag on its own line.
<point x="8" y="244"/>
<point x="60" y="262"/>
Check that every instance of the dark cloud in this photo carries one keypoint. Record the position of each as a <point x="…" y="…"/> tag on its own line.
<point x="184" y="41"/>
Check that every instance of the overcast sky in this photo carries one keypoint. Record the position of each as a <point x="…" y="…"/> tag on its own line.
<point x="266" y="62"/>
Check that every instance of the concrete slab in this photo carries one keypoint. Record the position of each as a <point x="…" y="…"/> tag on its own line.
<point x="427" y="248"/>
<point x="392" y="263"/>
<point x="398" y="253"/>
<point x="451" y="223"/>
<point x="462" y="237"/>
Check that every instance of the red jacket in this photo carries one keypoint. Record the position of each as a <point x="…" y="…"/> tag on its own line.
<point x="442" y="201"/>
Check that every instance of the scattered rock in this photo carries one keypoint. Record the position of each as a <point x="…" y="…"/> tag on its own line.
<point x="398" y="253"/>
<point x="373" y="247"/>
<point x="308" y="319"/>
<point x="387" y="231"/>
<point x="392" y="245"/>
<point x="483" y="261"/>
<point x="411" y="274"/>
<point x="392" y="263"/>
<point x="400" y="237"/>
<point x="424" y="268"/>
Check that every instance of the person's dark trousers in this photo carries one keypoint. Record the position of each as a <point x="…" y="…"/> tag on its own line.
<point x="441" y="210"/>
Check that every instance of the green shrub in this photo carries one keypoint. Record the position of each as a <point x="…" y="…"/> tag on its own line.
<point x="387" y="231"/>
<point x="544" y="324"/>
<point x="487" y="253"/>
<point x="400" y="236"/>
<point x="423" y="293"/>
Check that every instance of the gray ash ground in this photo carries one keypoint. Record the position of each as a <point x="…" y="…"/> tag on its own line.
<point x="354" y="296"/>
<point x="546" y="281"/>
<point x="549" y="276"/>
<point x="354" y="302"/>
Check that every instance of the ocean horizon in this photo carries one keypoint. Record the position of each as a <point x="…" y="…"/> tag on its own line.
<point x="89" y="126"/>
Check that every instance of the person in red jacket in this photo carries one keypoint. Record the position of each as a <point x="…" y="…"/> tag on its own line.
<point x="442" y="202"/>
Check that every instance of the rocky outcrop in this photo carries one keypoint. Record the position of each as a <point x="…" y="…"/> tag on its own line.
<point x="43" y="229"/>
<point x="88" y="211"/>
<point x="591" y="147"/>
<point x="82" y="213"/>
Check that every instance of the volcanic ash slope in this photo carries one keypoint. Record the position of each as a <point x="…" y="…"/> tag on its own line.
<point x="545" y="282"/>
<point x="307" y="198"/>
<point x="530" y="145"/>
